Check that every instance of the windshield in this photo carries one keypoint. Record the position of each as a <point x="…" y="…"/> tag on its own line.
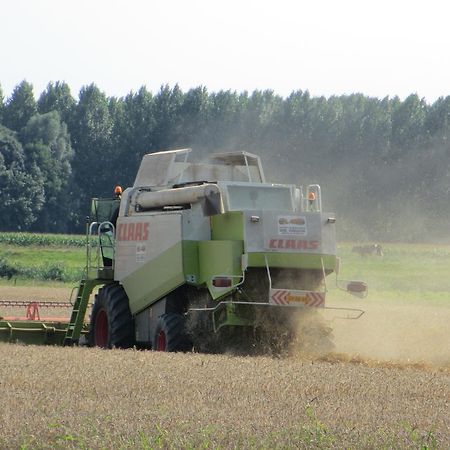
<point x="263" y="197"/>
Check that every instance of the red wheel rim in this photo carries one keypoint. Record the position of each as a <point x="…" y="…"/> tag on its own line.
<point x="161" y="342"/>
<point x="101" y="329"/>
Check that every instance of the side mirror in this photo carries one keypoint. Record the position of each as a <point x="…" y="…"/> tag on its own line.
<point x="357" y="288"/>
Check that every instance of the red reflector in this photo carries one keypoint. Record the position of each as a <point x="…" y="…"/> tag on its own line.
<point x="221" y="282"/>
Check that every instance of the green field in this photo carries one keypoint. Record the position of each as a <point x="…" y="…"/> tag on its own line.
<point x="409" y="272"/>
<point x="414" y="272"/>
<point x="38" y="258"/>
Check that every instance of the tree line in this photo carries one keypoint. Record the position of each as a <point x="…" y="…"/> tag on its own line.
<point x="383" y="164"/>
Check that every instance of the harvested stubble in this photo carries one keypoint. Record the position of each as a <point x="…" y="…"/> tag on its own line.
<point x="89" y="398"/>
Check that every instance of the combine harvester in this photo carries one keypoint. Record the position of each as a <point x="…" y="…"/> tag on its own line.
<point x="198" y="255"/>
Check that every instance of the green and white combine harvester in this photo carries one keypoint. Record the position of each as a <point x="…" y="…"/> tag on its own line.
<point x="198" y="255"/>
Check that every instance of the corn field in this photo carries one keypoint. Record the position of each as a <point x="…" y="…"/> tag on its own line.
<point x="42" y="240"/>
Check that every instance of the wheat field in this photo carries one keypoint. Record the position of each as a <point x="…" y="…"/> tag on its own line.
<point x="90" y="398"/>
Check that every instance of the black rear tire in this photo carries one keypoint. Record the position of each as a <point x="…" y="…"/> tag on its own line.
<point x="111" y="321"/>
<point x="170" y="334"/>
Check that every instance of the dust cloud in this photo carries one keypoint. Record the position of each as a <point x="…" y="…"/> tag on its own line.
<point x="390" y="332"/>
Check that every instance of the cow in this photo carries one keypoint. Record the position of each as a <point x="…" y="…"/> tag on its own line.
<point x="364" y="250"/>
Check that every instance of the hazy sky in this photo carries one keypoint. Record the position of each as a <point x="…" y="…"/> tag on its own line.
<point x="378" y="48"/>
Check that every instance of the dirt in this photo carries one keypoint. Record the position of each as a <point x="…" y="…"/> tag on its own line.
<point x="394" y="332"/>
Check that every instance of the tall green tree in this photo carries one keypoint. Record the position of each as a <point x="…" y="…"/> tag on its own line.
<point x="91" y="134"/>
<point x="57" y="97"/>
<point x="437" y="123"/>
<point x="223" y="120"/>
<point x="195" y="115"/>
<point x="294" y="124"/>
<point x="22" y="193"/>
<point x="48" y="154"/>
<point x="20" y="107"/>
<point x="168" y="104"/>
<point x="408" y="120"/>
<point x="133" y="133"/>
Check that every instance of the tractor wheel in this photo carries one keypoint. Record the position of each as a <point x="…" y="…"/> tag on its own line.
<point x="111" y="322"/>
<point x="170" y="334"/>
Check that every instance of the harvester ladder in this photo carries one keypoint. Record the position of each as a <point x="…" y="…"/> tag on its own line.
<point x="76" y="323"/>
